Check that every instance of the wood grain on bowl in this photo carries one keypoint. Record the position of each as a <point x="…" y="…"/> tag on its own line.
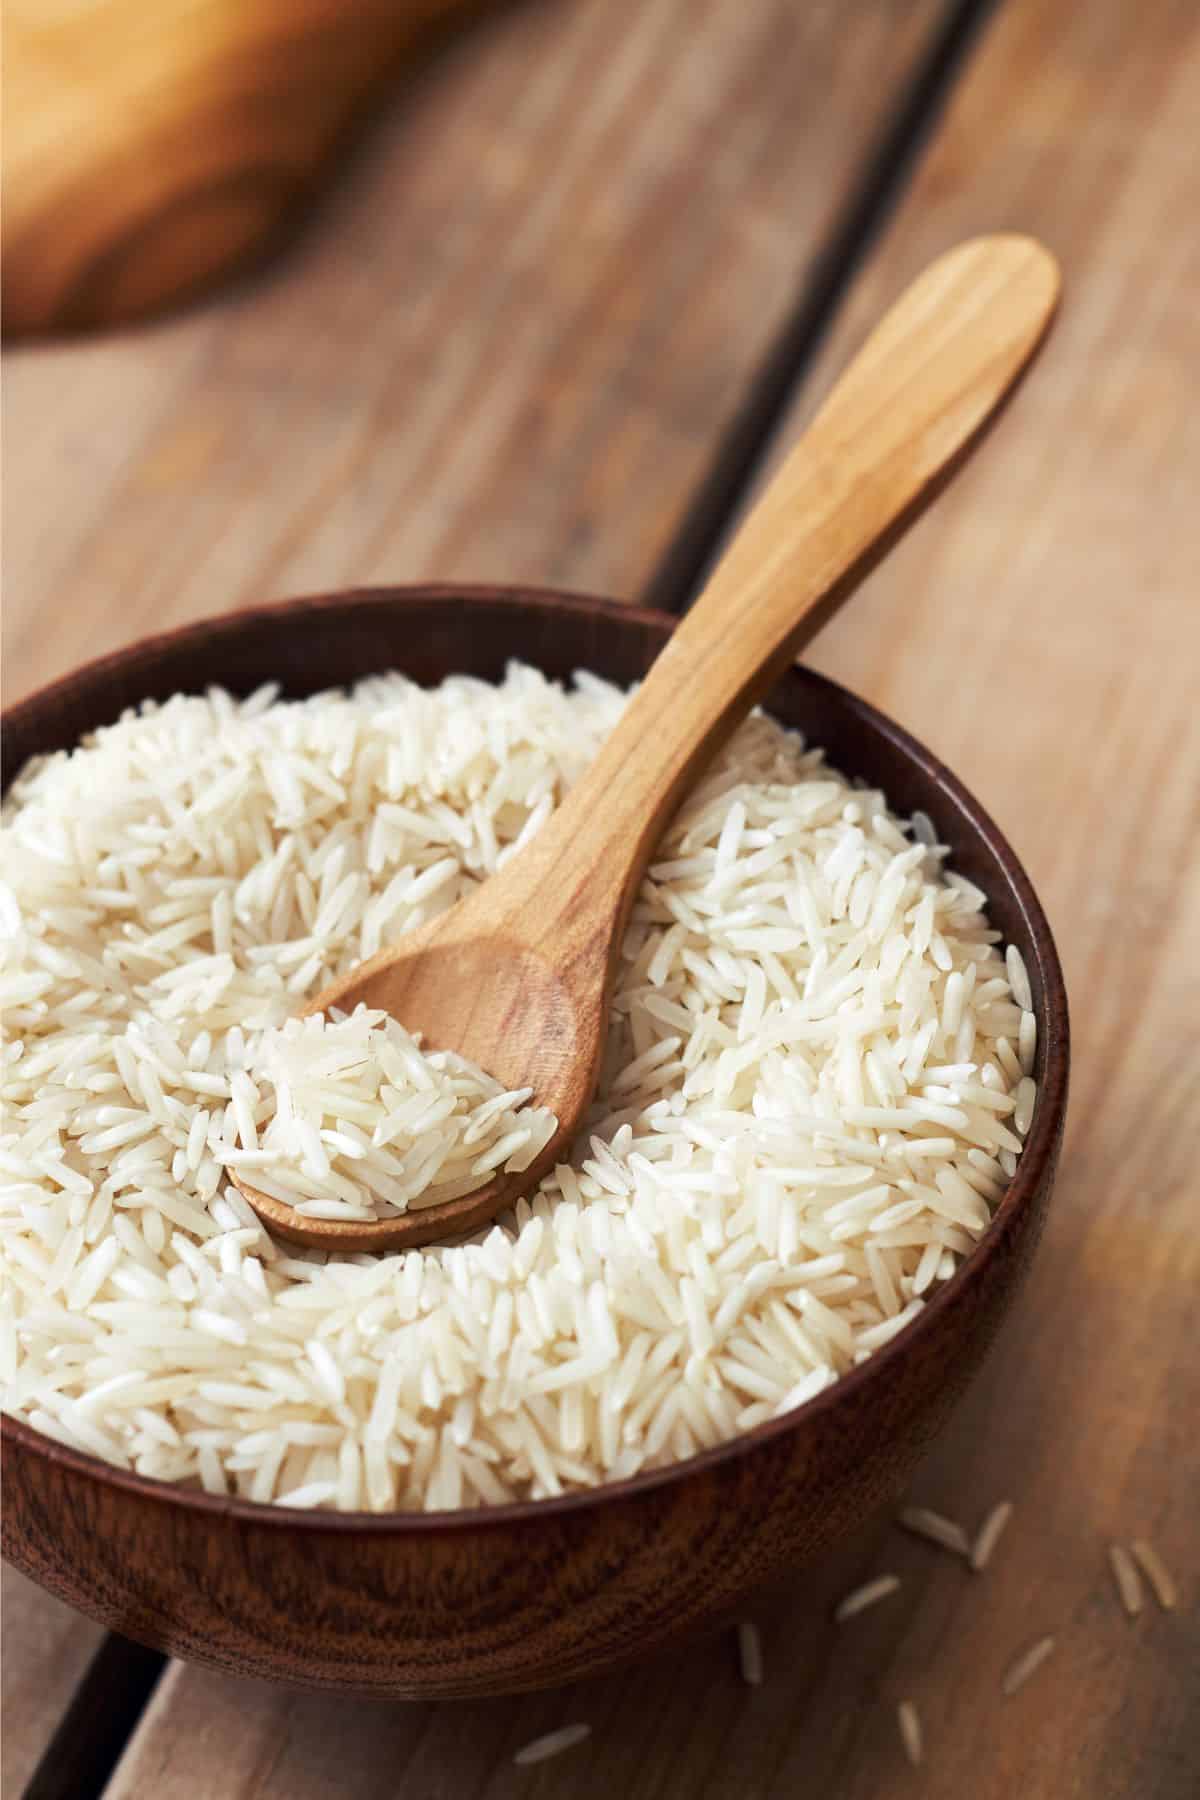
<point x="523" y="1596"/>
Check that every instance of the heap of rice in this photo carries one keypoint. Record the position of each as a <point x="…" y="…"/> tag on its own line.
<point x="817" y="1080"/>
<point x="358" y="1124"/>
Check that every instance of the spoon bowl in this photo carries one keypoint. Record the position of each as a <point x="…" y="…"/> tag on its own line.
<point x="517" y="977"/>
<point x="455" y="988"/>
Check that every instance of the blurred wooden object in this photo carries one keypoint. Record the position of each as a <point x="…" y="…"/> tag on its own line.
<point x="509" y="349"/>
<point x="149" y="149"/>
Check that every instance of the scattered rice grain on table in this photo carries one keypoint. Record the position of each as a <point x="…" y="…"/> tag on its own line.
<point x="1128" y="1581"/>
<point x="552" y="1744"/>
<point x="804" y="1122"/>
<point x="911" y="1734"/>
<point x="750" y="1655"/>
<point x="948" y="1534"/>
<point x="1155" y="1570"/>
<point x="1025" y="1666"/>
<point x="989" y="1535"/>
<point x="869" y="1594"/>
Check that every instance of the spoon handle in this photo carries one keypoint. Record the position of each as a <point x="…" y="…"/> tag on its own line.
<point x="901" y="418"/>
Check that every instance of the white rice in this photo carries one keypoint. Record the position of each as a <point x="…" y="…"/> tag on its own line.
<point x="869" y="1594"/>
<point x="358" y="1123"/>
<point x="989" y="1535"/>
<point x="801" y="1126"/>
<point x="1157" y="1574"/>
<point x="922" y="1521"/>
<point x="552" y="1744"/>
<point x="750" y="1654"/>
<point x="1025" y="1666"/>
<point x="1128" y="1581"/>
<point x="911" y="1735"/>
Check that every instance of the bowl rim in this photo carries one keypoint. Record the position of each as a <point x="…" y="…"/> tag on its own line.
<point x="1035" y="1163"/>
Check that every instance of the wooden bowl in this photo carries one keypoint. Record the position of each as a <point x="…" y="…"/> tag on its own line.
<point x="433" y="1605"/>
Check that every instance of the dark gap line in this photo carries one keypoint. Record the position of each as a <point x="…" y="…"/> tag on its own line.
<point x="95" y="1730"/>
<point x="874" y="195"/>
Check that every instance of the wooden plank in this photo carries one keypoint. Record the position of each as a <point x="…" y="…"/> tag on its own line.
<point x="1038" y="630"/>
<point x="506" y="351"/>
<point x="680" y="1724"/>
<point x="46" y="1650"/>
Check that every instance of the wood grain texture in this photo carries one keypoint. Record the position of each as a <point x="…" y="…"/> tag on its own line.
<point x="506" y="352"/>
<point x="46" y="1647"/>
<point x="148" y="152"/>
<point x="506" y="1598"/>
<point x="1041" y="626"/>
<point x="518" y="977"/>
<point x="682" y="1727"/>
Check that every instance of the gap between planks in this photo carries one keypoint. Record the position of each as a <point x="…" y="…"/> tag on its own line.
<point x="772" y="390"/>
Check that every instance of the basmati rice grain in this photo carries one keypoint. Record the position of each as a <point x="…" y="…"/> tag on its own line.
<point x="989" y="1534"/>
<point x="750" y="1656"/>
<point x="911" y="1735"/>
<point x="552" y="1744"/>
<point x="1018" y="978"/>
<point x="1026" y="1665"/>
<point x="1156" y="1573"/>
<point x="869" y="1594"/>
<point x="1128" y="1581"/>
<point x="934" y="1526"/>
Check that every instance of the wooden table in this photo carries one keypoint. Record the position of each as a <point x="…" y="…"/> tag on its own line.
<point x="592" y="270"/>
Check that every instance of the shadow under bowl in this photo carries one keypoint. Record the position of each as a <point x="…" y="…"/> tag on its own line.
<point x="530" y="1595"/>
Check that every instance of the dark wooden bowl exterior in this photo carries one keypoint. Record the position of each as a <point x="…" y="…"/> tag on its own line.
<point x="442" y="1605"/>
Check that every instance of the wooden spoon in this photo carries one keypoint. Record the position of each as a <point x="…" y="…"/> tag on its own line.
<point x="517" y="977"/>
